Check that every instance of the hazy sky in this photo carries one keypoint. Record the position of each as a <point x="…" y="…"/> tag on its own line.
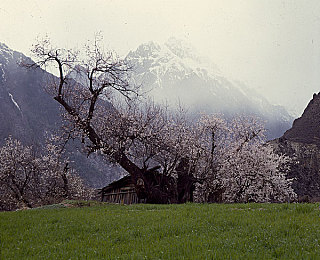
<point x="272" y="45"/>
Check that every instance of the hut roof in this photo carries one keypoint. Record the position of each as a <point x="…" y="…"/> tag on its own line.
<point x="124" y="181"/>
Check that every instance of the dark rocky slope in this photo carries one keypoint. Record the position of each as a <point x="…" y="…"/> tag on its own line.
<point x="302" y="142"/>
<point x="306" y="129"/>
<point x="28" y="113"/>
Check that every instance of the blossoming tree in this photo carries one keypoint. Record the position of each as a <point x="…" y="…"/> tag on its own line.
<point x="167" y="155"/>
<point x="29" y="180"/>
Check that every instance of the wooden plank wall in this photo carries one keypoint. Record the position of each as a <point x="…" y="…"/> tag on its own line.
<point x="121" y="196"/>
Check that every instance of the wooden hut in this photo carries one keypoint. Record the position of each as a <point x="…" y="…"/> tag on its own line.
<point x="121" y="191"/>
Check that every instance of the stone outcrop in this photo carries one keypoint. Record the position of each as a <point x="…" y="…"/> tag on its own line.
<point x="302" y="143"/>
<point x="306" y="129"/>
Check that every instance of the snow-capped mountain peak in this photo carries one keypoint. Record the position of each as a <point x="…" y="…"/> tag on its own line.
<point x="147" y="49"/>
<point x="181" y="48"/>
<point x="174" y="59"/>
<point x="175" y="73"/>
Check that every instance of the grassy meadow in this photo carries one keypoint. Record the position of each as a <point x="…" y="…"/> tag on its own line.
<point x="189" y="231"/>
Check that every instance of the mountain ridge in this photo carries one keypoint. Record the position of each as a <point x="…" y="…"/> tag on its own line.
<point x="171" y="72"/>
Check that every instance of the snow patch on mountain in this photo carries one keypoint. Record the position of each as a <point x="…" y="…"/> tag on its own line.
<point x="14" y="102"/>
<point x="5" y="53"/>
<point x="3" y="74"/>
<point x="172" y="61"/>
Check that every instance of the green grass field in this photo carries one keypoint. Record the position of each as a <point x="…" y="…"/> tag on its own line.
<point x="190" y="231"/>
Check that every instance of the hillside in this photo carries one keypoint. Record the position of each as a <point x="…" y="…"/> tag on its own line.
<point x="29" y="113"/>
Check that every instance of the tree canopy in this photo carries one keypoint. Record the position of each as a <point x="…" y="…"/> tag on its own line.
<point x="171" y="158"/>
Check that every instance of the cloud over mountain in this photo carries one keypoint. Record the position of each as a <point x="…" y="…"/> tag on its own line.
<point x="175" y="73"/>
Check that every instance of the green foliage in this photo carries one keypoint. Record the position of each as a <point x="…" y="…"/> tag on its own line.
<point x="189" y="231"/>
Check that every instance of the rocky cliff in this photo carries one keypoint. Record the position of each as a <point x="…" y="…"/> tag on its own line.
<point x="306" y="129"/>
<point x="302" y="142"/>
